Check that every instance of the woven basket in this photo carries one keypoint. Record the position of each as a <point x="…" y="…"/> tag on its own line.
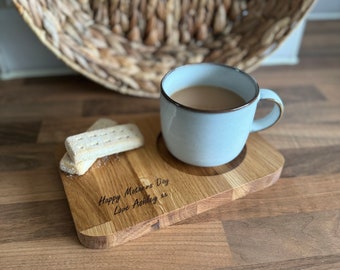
<point x="127" y="46"/>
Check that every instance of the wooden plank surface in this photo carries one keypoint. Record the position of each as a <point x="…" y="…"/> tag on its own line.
<point x="293" y="224"/>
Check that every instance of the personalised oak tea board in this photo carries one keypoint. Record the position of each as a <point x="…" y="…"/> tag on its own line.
<point x="124" y="196"/>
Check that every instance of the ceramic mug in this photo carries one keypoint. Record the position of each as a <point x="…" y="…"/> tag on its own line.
<point x="212" y="137"/>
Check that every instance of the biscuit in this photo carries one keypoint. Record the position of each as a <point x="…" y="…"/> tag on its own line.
<point x="68" y="166"/>
<point x="103" y="142"/>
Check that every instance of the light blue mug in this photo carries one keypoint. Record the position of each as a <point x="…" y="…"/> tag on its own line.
<point x="212" y="137"/>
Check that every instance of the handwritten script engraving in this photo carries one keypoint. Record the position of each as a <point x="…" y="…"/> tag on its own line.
<point x="135" y="196"/>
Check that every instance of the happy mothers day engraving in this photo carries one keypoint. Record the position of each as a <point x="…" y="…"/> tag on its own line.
<point x="136" y="194"/>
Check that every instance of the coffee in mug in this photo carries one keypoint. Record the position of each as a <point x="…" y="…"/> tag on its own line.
<point x="207" y="112"/>
<point x="208" y="97"/>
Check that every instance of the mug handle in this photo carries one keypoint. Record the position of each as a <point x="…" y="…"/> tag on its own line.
<point x="274" y="116"/>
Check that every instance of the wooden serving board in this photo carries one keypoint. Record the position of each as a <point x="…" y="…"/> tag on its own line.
<point x="125" y="196"/>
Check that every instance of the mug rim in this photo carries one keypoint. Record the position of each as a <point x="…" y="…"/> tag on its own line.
<point x="246" y="104"/>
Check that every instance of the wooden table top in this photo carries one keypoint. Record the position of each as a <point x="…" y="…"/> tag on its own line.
<point x="293" y="224"/>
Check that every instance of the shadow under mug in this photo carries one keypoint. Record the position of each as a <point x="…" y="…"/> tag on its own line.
<point x="212" y="137"/>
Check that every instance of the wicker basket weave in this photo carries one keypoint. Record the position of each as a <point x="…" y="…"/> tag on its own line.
<point x="127" y="46"/>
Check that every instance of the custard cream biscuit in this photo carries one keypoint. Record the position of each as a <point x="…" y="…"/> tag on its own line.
<point x="103" y="142"/>
<point x="68" y="166"/>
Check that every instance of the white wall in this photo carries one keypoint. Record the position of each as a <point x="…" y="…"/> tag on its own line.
<point x="23" y="55"/>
